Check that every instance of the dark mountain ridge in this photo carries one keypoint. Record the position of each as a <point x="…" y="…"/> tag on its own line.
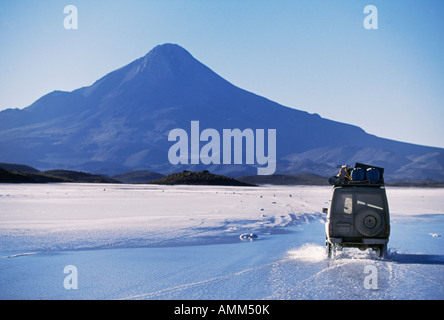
<point x="200" y="178"/>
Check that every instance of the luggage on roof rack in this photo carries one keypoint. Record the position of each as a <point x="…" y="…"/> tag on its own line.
<point x="360" y="175"/>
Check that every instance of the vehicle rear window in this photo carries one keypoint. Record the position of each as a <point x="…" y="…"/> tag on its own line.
<point x="372" y="200"/>
<point x="348" y="203"/>
<point x="344" y="203"/>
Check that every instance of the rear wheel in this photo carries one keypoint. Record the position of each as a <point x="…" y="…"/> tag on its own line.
<point x="383" y="251"/>
<point x="330" y="249"/>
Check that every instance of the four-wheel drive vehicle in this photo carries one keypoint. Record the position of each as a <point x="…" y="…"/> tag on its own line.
<point x="358" y="216"/>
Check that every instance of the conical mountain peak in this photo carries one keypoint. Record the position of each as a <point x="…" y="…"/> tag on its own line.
<point x="162" y="63"/>
<point x="168" y="50"/>
<point x="166" y="59"/>
<point x="122" y="121"/>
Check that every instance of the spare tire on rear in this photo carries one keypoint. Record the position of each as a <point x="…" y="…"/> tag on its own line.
<point x="370" y="222"/>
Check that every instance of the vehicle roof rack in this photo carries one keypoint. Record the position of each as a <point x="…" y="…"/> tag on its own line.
<point x="361" y="175"/>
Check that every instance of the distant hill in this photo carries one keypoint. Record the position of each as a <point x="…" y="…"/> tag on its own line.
<point x="283" y="179"/>
<point x="185" y="177"/>
<point x="426" y="183"/>
<point x="199" y="178"/>
<point x="76" y="176"/>
<point x="18" y="167"/>
<point x="7" y="176"/>
<point x="138" y="176"/>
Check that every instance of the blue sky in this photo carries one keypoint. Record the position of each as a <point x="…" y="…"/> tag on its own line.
<point x="312" y="55"/>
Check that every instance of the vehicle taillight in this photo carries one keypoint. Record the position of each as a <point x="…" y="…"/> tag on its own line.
<point x="330" y="229"/>
<point x="387" y="230"/>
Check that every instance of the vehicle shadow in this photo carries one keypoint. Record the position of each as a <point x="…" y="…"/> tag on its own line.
<point x="416" y="258"/>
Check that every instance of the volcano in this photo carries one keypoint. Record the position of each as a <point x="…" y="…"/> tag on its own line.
<point x="122" y="121"/>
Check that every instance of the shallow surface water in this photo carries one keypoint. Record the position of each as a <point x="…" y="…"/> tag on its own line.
<point x="289" y="265"/>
